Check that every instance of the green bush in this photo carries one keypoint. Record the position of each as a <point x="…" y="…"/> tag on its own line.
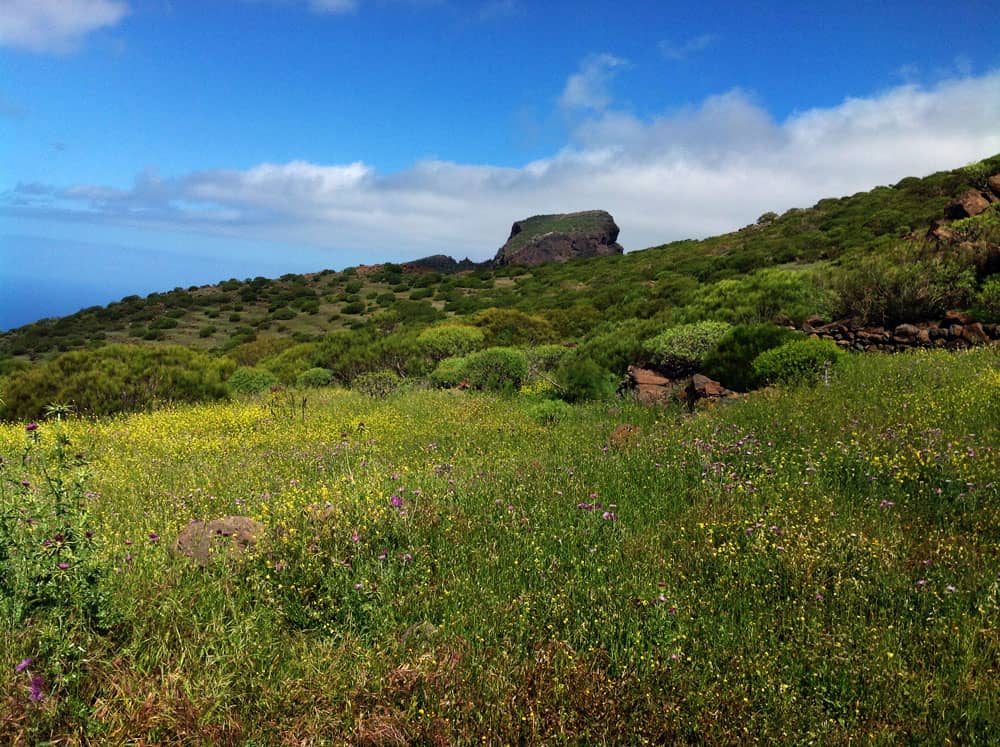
<point x="545" y="358"/>
<point x="682" y="349"/>
<point x="580" y="378"/>
<point x="497" y="369"/>
<point x="113" y="379"/>
<point x="207" y="331"/>
<point x="450" y="372"/>
<point x="731" y="362"/>
<point x="548" y="411"/>
<point x="903" y="286"/>
<point x="249" y="380"/>
<point x="797" y="362"/>
<point x="314" y="378"/>
<point x="448" y="340"/>
<point x="512" y="327"/>
<point x="988" y="300"/>
<point x="377" y="383"/>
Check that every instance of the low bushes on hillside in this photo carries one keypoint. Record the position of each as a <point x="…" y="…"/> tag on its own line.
<point x="250" y="380"/>
<point x="731" y="362"/>
<point x="113" y="379"/>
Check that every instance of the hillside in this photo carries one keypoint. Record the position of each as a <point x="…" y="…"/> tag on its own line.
<point x="894" y="255"/>
<point x="834" y="233"/>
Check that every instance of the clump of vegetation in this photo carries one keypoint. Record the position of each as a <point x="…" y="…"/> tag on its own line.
<point x="251" y="380"/>
<point x="377" y="383"/>
<point x="498" y="369"/>
<point x="801" y="361"/>
<point x="682" y="349"/>
<point x="731" y="361"/>
<point x="314" y="377"/>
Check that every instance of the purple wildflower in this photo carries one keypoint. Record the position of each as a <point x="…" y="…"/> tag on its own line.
<point x="609" y="516"/>
<point x="396" y="501"/>
<point x="406" y="557"/>
<point x="23" y="664"/>
<point x="355" y="537"/>
<point x="154" y="537"/>
<point x="63" y="566"/>
<point x="31" y="427"/>
<point x="585" y="506"/>
<point x="37" y="685"/>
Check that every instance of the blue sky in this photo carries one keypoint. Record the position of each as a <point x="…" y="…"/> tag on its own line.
<point x="150" y="144"/>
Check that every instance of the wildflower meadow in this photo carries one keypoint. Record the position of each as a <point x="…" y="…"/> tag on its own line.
<point x="813" y="564"/>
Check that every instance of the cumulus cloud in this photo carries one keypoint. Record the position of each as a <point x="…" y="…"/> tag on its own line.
<point x="694" y="172"/>
<point x="589" y="87"/>
<point x="677" y="51"/>
<point x="55" y="25"/>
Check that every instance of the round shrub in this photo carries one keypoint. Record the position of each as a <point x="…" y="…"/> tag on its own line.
<point x="548" y="411"/>
<point x="682" y="349"/>
<point x="797" y="362"/>
<point x="249" y="380"/>
<point x="448" y="340"/>
<point x="450" y="372"/>
<point x="377" y="383"/>
<point x="580" y="378"/>
<point x="497" y="369"/>
<point x="314" y="377"/>
<point x="731" y="362"/>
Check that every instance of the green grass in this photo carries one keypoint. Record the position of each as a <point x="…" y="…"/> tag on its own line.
<point x="809" y="565"/>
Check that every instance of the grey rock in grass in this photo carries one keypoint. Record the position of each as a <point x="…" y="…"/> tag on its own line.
<point x="229" y="535"/>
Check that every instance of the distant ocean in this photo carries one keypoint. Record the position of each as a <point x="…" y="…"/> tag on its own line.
<point x="42" y="278"/>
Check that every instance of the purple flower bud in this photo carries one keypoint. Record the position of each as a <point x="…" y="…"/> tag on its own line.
<point x="63" y="566"/>
<point x="31" y="427"/>
<point x="23" y="664"/>
<point x="37" y="685"/>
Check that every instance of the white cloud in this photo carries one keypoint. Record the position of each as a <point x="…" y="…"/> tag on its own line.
<point x="694" y="172"/>
<point x="55" y="25"/>
<point x="682" y="50"/>
<point x="589" y="87"/>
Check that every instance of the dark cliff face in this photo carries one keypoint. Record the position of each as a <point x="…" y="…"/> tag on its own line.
<point x="558" y="238"/>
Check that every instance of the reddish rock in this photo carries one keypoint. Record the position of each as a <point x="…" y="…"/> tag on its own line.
<point x="956" y="317"/>
<point x="906" y="331"/>
<point x="974" y="334"/>
<point x="969" y="204"/>
<point x="994" y="184"/>
<point x="702" y="387"/>
<point x="650" y="387"/>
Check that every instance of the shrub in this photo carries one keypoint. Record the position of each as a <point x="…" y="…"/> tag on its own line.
<point x="988" y="300"/>
<point x="512" y="327"/>
<point x="497" y="369"/>
<point x="116" y="378"/>
<point x="377" y="383"/>
<point x="450" y="340"/>
<point x="732" y="360"/>
<point x="450" y="372"/>
<point x="249" y="380"/>
<point x="682" y="349"/>
<point x="545" y="358"/>
<point x="207" y="331"/>
<point x="797" y="362"/>
<point x="314" y="378"/>
<point x="580" y="378"/>
<point x="548" y="411"/>
<point x="903" y="286"/>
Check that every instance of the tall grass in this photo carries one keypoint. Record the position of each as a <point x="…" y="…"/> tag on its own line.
<point x="818" y="564"/>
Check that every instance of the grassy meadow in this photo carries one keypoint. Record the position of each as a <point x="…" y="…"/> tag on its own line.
<point x="817" y="564"/>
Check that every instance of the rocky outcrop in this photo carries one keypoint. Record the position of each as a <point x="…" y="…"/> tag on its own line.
<point x="559" y="238"/>
<point x="652" y="387"/>
<point x="969" y="204"/>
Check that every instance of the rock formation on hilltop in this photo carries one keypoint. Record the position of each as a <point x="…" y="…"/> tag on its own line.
<point x="558" y="238"/>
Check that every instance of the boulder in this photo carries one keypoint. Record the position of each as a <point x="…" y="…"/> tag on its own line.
<point x="229" y="535"/>
<point x="559" y="238"/>
<point x="974" y="334"/>
<point x="994" y="185"/>
<point x="969" y="204"/>
<point x="906" y="331"/>
<point x="702" y="387"/>
<point x="650" y="387"/>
